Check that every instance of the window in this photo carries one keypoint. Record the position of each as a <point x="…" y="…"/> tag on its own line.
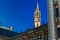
<point x="57" y="12"/>
<point x="47" y="36"/>
<point x="40" y="37"/>
<point x="58" y="30"/>
<point x="31" y="38"/>
<point x="36" y="13"/>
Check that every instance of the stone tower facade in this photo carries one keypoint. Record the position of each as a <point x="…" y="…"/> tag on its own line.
<point x="37" y="17"/>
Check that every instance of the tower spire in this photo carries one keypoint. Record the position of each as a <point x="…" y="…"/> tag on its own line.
<point x="37" y="17"/>
<point x="37" y="6"/>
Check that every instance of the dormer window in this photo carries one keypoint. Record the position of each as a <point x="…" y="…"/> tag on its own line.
<point x="18" y="39"/>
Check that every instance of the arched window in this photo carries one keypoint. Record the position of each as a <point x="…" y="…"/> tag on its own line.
<point x="31" y="38"/>
<point x="40" y="37"/>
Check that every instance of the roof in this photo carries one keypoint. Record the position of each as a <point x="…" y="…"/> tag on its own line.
<point x="38" y="29"/>
<point x="7" y="33"/>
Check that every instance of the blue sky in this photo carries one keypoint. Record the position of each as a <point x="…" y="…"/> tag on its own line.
<point x="20" y="13"/>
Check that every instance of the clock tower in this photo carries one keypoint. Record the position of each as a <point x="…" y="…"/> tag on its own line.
<point x="37" y="17"/>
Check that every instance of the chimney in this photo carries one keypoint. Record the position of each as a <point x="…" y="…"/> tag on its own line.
<point x="10" y="28"/>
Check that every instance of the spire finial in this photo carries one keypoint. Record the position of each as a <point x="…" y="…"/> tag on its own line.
<point x="37" y="5"/>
